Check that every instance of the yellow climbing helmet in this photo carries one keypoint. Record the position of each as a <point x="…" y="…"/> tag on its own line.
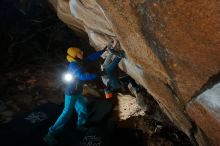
<point x="71" y="53"/>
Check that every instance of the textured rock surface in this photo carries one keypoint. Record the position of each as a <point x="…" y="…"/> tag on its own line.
<point x="87" y="16"/>
<point x="172" y="48"/>
<point x="205" y="111"/>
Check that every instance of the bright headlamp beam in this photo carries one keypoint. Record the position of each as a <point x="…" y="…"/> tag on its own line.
<point x="68" y="77"/>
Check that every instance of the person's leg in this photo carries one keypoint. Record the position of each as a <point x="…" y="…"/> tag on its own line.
<point x="81" y="109"/>
<point x="107" y="60"/>
<point x="61" y="121"/>
<point x="112" y="66"/>
<point x="65" y="115"/>
<point x="114" y="82"/>
<point x="111" y="74"/>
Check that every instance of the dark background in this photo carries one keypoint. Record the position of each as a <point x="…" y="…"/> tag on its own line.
<point x="31" y="34"/>
<point x="33" y="49"/>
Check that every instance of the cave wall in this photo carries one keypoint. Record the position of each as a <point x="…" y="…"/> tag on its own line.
<point x="172" y="49"/>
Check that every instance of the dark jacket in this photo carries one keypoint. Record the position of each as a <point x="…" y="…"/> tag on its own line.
<point x="80" y="76"/>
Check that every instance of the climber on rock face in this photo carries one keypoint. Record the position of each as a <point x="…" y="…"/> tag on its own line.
<point x="110" y="79"/>
<point x="73" y="91"/>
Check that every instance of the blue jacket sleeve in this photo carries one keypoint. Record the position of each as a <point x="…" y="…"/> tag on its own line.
<point x="94" y="56"/>
<point x="80" y="74"/>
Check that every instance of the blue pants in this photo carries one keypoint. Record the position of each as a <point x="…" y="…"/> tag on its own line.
<point x="110" y="67"/>
<point x="77" y="101"/>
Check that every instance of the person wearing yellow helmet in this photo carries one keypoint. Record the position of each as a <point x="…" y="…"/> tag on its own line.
<point x="73" y="53"/>
<point x="73" y="91"/>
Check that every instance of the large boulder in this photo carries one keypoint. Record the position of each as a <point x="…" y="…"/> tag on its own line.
<point x="172" y="49"/>
<point x="204" y="110"/>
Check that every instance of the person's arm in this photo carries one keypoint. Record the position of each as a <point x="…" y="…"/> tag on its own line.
<point x="86" y="76"/>
<point x="112" y="44"/>
<point x="97" y="54"/>
<point x="94" y="56"/>
<point x="80" y="74"/>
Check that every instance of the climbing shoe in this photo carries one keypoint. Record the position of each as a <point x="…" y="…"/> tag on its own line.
<point x="108" y="93"/>
<point x="50" y="139"/>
